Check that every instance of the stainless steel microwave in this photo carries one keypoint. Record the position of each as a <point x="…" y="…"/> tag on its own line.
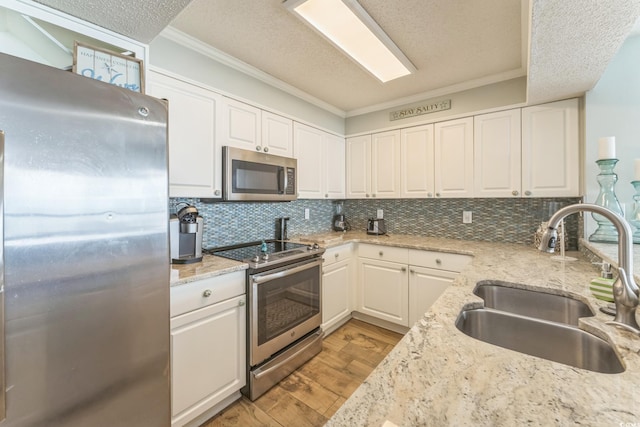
<point x="256" y="176"/>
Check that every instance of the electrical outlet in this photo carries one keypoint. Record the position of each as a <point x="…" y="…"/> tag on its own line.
<point x="306" y="213"/>
<point x="467" y="217"/>
<point x="380" y="214"/>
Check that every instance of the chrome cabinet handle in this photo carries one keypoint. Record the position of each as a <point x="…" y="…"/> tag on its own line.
<point x="258" y="148"/>
<point x="429" y="194"/>
<point x="373" y="195"/>
<point x="437" y="194"/>
<point x="438" y="261"/>
<point x="326" y="195"/>
<point x="266" y="149"/>
<point x="515" y="192"/>
<point x="336" y="255"/>
<point x="366" y="195"/>
<point x="207" y="293"/>
<point x="217" y="192"/>
<point x="527" y="193"/>
<point x="241" y="303"/>
<point x="404" y="269"/>
<point x="381" y="253"/>
<point x="412" y="271"/>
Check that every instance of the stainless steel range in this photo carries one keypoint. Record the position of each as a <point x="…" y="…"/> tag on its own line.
<point x="284" y="283"/>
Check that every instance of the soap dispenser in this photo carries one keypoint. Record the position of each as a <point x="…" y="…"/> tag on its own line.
<point x="602" y="287"/>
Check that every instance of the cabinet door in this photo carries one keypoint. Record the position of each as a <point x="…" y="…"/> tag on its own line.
<point x="240" y="125"/>
<point x="194" y="160"/>
<point x="358" y="159"/>
<point x="334" y="160"/>
<point x="208" y="357"/>
<point x="425" y="287"/>
<point x="336" y="293"/>
<point x="454" y="158"/>
<point x="383" y="290"/>
<point x="550" y="150"/>
<point x="496" y="153"/>
<point x="310" y="154"/>
<point x="277" y="134"/>
<point x="416" y="162"/>
<point x="385" y="164"/>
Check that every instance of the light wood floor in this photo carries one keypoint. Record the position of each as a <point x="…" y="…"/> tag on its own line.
<point x="314" y="392"/>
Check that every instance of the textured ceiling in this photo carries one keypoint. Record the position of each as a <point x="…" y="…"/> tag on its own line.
<point x="562" y="46"/>
<point x="450" y="42"/>
<point x="140" y="20"/>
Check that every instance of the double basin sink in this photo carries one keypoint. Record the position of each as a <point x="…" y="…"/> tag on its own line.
<point x="537" y="323"/>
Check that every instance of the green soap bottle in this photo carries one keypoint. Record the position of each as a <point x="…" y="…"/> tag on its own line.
<point x="602" y="287"/>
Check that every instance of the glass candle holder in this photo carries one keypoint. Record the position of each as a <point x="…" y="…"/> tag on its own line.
<point x="607" y="179"/>
<point x="635" y="216"/>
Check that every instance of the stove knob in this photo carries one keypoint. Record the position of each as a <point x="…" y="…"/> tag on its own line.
<point x="256" y="259"/>
<point x="310" y="248"/>
<point x="316" y="246"/>
<point x="265" y="256"/>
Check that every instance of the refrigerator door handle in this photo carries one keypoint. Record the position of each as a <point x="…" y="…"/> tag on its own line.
<point x="3" y="397"/>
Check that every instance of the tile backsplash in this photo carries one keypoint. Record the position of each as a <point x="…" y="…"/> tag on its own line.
<point x="495" y="220"/>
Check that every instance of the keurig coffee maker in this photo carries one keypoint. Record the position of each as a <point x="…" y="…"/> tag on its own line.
<point x="185" y="235"/>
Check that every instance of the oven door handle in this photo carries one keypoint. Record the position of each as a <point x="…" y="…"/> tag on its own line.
<point x="257" y="279"/>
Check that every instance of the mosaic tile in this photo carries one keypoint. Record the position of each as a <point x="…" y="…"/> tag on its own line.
<point x="494" y="220"/>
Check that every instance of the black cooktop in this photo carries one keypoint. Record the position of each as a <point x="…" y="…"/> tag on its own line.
<point x="266" y="253"/>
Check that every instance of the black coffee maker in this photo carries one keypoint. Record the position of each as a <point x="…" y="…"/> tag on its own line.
<point x="340" y="222"/>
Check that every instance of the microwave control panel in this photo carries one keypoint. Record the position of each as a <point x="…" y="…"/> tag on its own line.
<point x="291" y="181"/>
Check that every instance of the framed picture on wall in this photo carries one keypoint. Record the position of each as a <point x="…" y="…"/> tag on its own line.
<point x="109" y="67"/>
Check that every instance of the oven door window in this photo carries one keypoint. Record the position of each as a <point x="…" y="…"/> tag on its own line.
<point x="286" y="302"/>
<point x="257" y="178"/>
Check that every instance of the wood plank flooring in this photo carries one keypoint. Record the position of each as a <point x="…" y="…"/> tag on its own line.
<point x="314" y="392"/>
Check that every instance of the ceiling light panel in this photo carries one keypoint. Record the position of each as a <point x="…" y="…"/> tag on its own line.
<point x="350" y="28"/>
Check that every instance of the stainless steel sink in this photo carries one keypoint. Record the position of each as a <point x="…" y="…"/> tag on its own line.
<point x="549" y="340"/>
<point x="538" y="304"/>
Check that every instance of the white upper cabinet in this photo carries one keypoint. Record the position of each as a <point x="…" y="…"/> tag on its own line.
<point x="358" y="167"/>
<point x="454" y="158"/>
<point x="194" y="160"/>
<point x="496" y="152"/>
<point x="385" y="164"/>
<point x="550" y="150"/>
<point x="416" y="162"/>
<point x="320" y="163"/>
<point x="277" y="134"/>
<point x="334" y="156"/>
<point x="240" y="125"/>
<point x="250" y="128"/>
<point x="308" y="150"/>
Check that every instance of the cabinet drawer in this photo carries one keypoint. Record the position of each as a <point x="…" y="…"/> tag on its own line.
<point x="439" y="260"/>
<point x="386" y="253"/>
<point x="201" y="293"/>
<point x="337" y="254"/>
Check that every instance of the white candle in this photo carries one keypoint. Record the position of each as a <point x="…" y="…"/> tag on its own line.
<point x="607" y="148"/>
<point x="636" y="163"/>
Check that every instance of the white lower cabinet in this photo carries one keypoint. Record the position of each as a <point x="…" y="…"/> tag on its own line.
<point x="208" y="347"/>
<point x="425" y="287"/>
<point x="384" y="290"/>
<point x="399" y="285"/>
<point x="337" y="289"/>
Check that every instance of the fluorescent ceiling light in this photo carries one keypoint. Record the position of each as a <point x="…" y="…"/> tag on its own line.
<point x="350" y="28"/>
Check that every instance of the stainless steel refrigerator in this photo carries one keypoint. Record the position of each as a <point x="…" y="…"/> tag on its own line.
<point x="85" y="256"/>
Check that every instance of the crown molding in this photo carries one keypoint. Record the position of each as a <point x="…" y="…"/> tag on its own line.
<point x="192" y="43"/>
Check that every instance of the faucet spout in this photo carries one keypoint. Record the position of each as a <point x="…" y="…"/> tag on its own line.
<point x="625" y="289"/>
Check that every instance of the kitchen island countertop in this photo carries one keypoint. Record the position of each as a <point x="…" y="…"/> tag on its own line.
<point x="438" y="376"/>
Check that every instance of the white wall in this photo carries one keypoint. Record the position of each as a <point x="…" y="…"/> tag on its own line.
<point x="612" y="108"/>
<point x="181" y="60"/>
<point x="508" y="93"/>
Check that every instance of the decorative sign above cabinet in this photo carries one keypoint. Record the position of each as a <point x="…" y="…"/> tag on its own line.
<point x="420" y="109"/>
<point x="110" y="67"/>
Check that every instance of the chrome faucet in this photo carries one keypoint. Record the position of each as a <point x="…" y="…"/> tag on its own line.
<point x="625" y="290"/>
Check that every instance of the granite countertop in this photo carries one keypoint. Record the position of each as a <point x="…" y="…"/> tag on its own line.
<point x="436" y="375"/>
<point x="210" y="266"/>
